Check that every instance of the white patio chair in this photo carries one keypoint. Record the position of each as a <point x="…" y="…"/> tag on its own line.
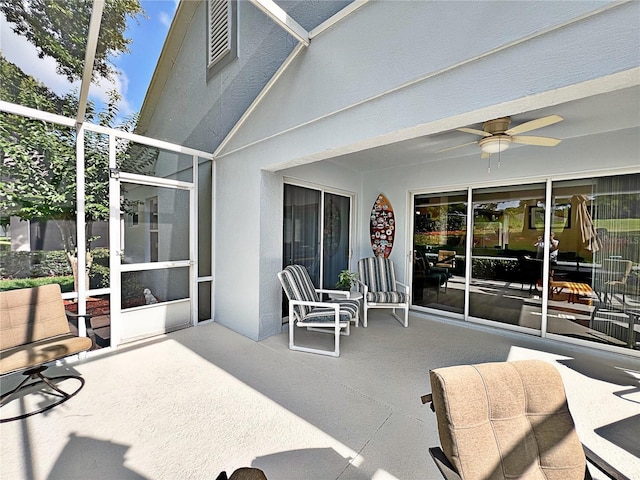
<point x="308" y="311"/>
<point x="381" y="289"/>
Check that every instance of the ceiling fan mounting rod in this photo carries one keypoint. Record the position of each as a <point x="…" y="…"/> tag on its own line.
<point x="497" y="125"/>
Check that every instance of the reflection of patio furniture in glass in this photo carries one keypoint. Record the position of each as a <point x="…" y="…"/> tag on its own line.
<point x="619" y="322"/>
<point x="575" y="290"/>
<point x="612" y="278"/>
<point x="446" y="259"/>
<point x="381" y="289"/>
<point x="530" y="271"/>
<point x="427" y="276"/>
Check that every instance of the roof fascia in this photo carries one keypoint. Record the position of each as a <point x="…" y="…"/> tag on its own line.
<point x="172" y="45"/>
<point x="272" y="81"/>
<point x="341" y="15"/>
<point x="282" y="18"/>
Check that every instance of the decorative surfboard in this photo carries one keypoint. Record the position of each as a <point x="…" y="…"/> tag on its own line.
<point x="382" y="227"/>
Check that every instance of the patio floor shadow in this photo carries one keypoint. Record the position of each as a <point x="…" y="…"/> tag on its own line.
<point x="198" y="401"/>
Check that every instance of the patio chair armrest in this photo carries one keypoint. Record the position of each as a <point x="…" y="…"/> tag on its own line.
<point x="335" y="306"/>
<point x="76" y="315"/>
<point x="363" y="286"/>
<point x="442" y="462"/>
<point x="332" y="291"/>
<point x="403" y="285"/>
<point x="84" y="316"/>
<point x="595" y="460"/>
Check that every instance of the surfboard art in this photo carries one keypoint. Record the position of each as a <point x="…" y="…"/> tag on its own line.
<point x="382" y="227"/>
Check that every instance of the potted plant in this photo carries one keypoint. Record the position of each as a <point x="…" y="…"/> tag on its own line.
<point x="346" y="279"/>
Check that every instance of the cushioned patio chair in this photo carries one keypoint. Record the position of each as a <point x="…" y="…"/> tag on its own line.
<point x="446" y="259"/>
<point x="380" y="289"/>
<point x="306" y="310"/>
<point x="427" y="276"/>
<point x="507" y="420"/>
<point x="612" y="278"/>
<point x="34" y="331"/>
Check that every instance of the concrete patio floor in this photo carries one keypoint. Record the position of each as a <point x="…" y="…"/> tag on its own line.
<point x="192" y="403"/>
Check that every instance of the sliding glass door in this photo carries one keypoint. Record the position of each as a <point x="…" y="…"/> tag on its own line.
<point x="559" y="258"/>
<point x="317" y="232"/>
<point x="507" y="266"/>
<point x="440" y="229"/>
<point x="302" y="229"/>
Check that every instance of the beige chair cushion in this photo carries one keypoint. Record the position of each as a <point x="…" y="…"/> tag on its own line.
<point x="505" y="421"/>
<point x="43" y="351"/>
<point x="31" y="314"/>
<point x="34" y="329"/>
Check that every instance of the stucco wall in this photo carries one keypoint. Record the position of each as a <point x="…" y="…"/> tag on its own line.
<point x="394" y="66"/>
<point x="396" y="70"/>
<point x="389" y="71"/>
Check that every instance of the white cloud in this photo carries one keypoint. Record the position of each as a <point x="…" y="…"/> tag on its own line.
<point x="165" y="19"/>
<point x="19" y="51"/>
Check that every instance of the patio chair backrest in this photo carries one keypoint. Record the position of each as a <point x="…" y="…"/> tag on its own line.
<point x="31" y="314"/>
<point x="617" y="268"/>
<point x="378" y="274"/>
<point x="297" y="285"/>
<point x="506" y="420"/>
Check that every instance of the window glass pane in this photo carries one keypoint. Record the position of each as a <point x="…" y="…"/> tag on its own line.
<point x="302" y="229"/>
<point x="156" y="223"/>
<point x="38" y="204"/>
<point x="204" y="301"/>
<point x="96" y="210"/>
<point x="205" y="217"/>
<point x="439" y="247"/>
<point x="595" y="292"/>
<point x="336" y="238"/>
<point x="99" y="325"/>
<point x="145" y="160"/>
<point x="149" y="287"/>
<point x="506" y="273"/>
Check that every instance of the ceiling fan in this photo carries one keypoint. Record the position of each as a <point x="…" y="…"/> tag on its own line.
<point x="497" y="136"/>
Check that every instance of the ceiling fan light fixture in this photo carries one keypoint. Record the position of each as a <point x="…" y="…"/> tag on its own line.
<point x="495" y="144"/>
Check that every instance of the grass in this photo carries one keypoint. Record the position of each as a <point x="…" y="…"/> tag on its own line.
<point x="66" y="283"/>
<point x="619" y="225"/>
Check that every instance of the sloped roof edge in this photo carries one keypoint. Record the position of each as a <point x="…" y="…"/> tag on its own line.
<point x="175" y="37"/>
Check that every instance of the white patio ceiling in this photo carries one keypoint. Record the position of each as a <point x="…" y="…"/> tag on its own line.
<point x="615" y="113"/>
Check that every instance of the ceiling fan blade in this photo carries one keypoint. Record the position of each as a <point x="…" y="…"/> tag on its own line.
<point x="534" y="124"/>
<point x="456" y="146"/>
<point x="473" y="131"/>
<point x="539" y="141"/>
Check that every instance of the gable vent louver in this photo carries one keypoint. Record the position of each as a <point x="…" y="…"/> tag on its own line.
<point x="219" y="30"/>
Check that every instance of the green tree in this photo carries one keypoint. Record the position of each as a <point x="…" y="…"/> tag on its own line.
<point x="38" y="177"/>
<point x="59" y="29"/>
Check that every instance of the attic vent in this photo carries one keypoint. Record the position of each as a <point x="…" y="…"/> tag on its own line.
<point x="220" y="23"/>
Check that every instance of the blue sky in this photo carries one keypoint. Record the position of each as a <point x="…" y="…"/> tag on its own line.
<point x="148" y="35"/>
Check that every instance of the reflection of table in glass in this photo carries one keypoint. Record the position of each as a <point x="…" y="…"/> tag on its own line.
<point x="575" y="290"/>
